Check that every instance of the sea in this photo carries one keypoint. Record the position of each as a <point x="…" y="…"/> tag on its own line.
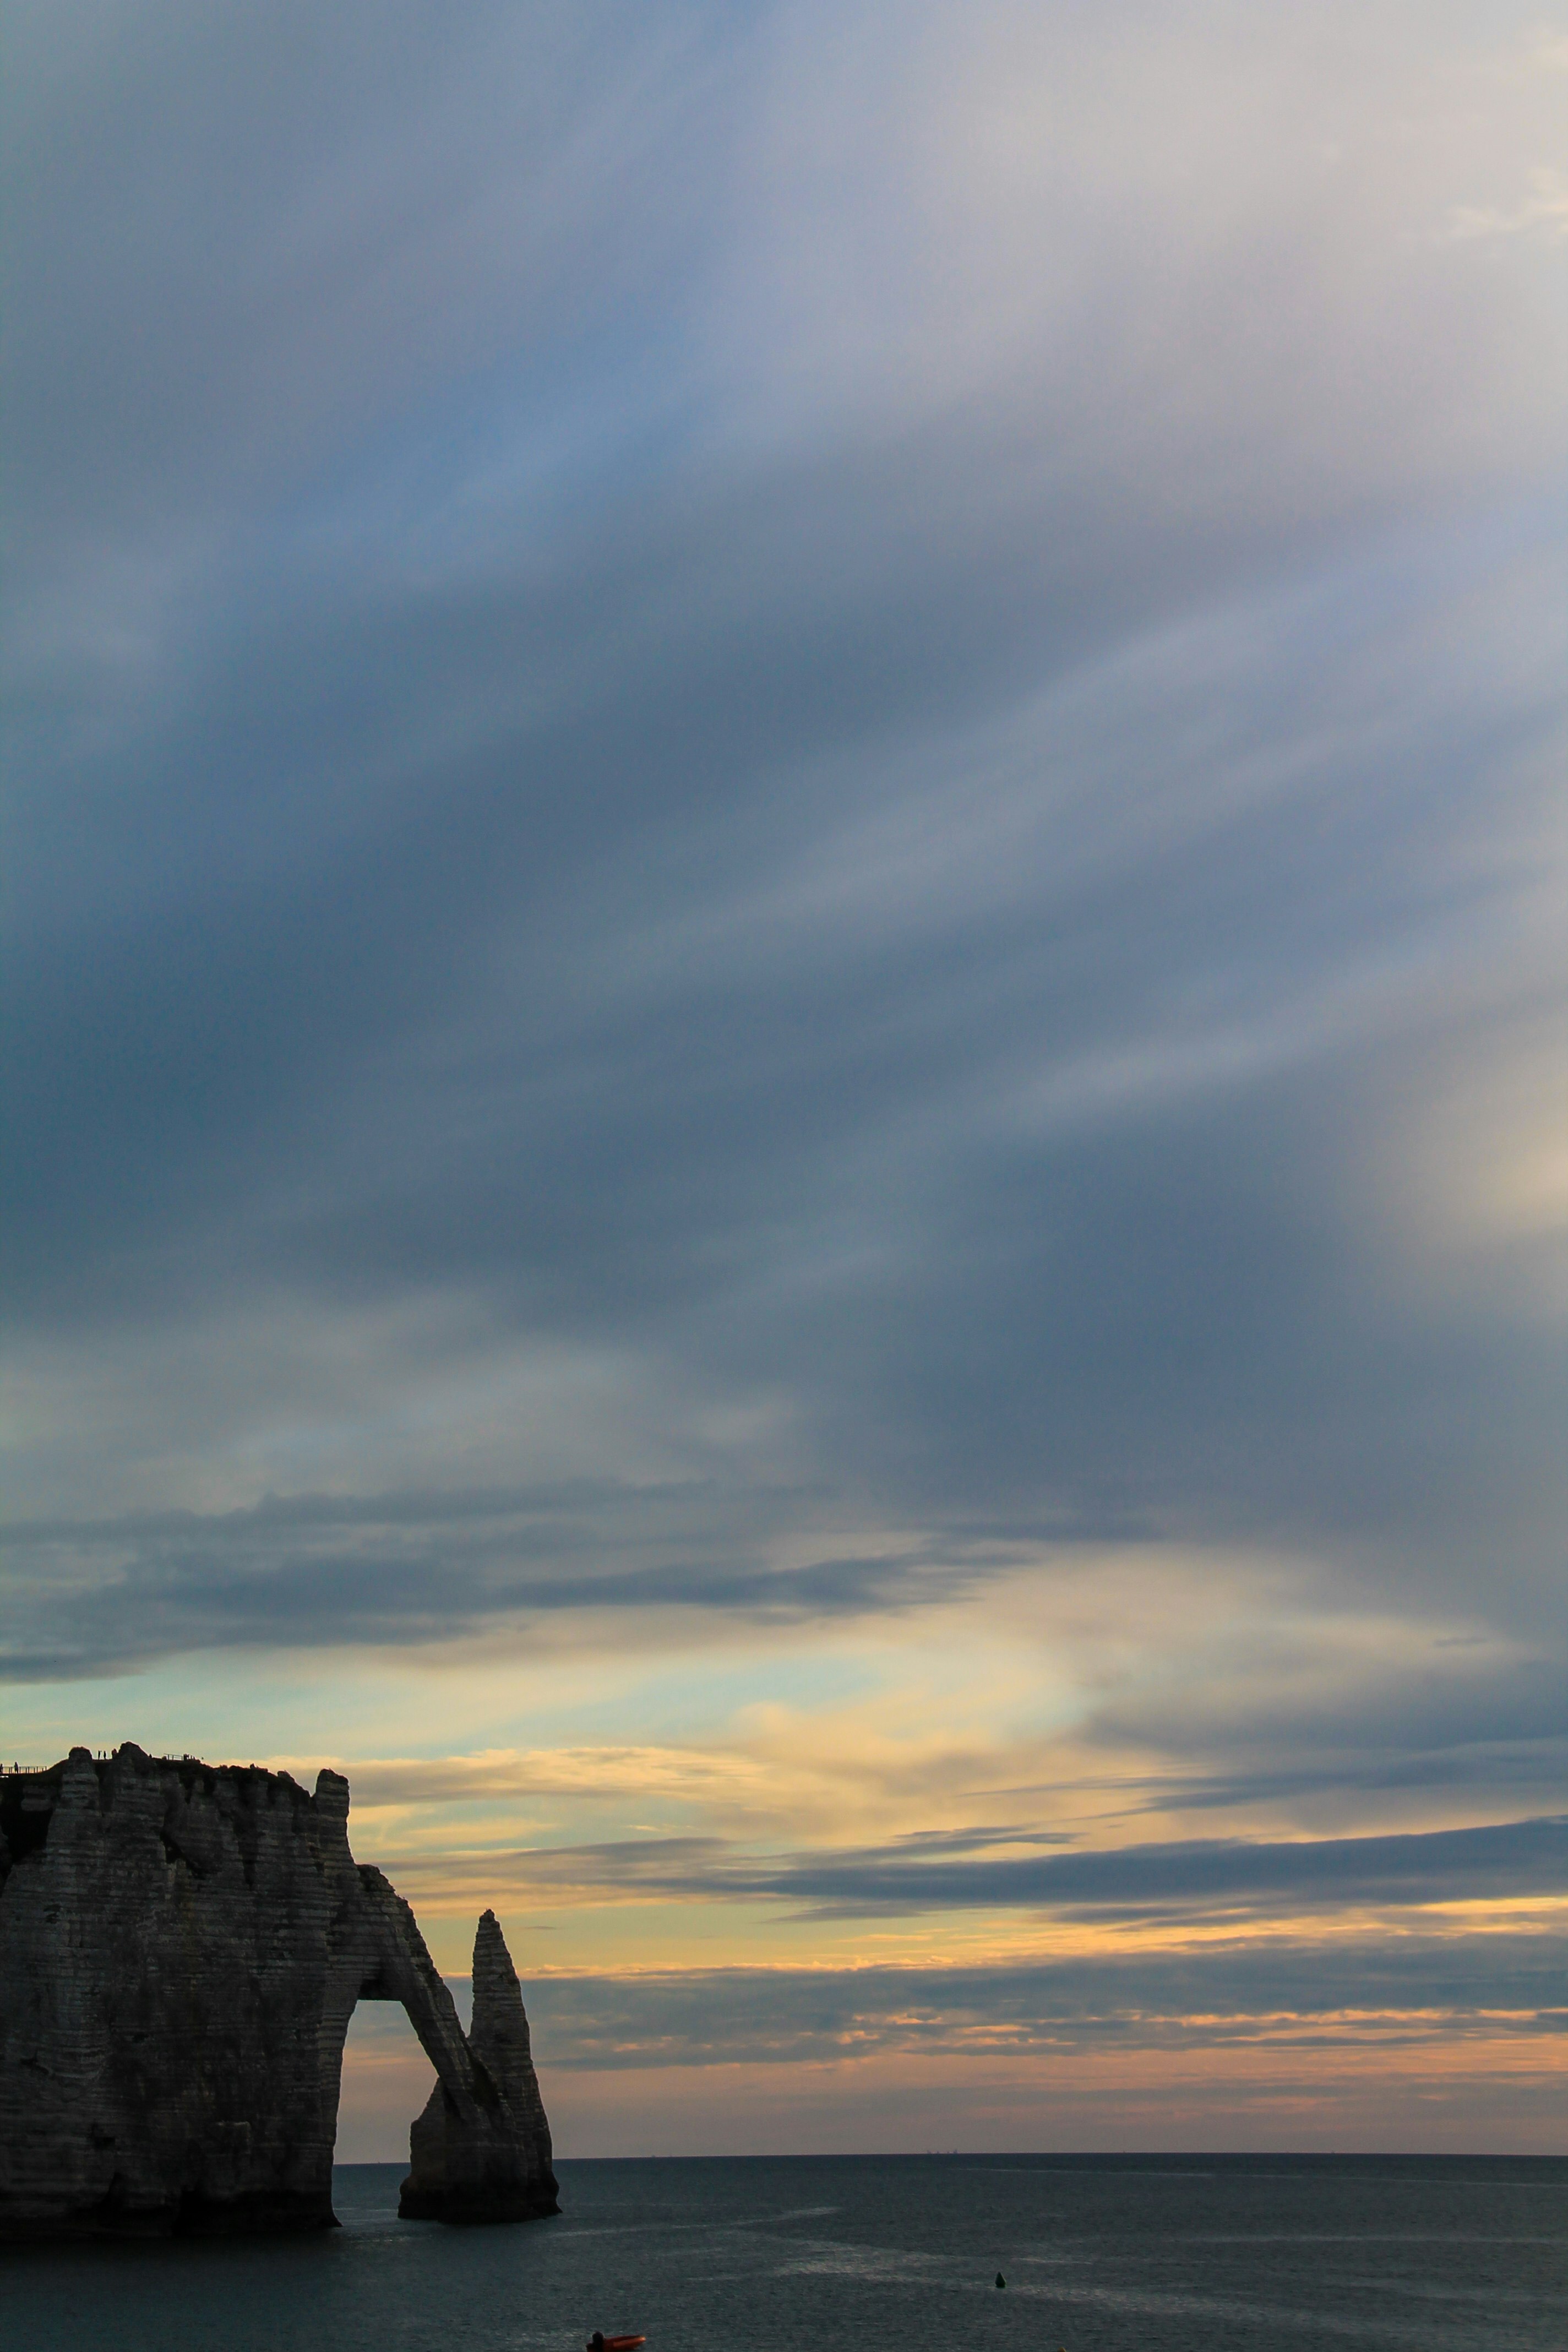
<point x="1169" y="2254"/>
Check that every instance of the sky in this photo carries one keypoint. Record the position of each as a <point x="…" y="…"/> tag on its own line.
<point x="785" y="1065"/>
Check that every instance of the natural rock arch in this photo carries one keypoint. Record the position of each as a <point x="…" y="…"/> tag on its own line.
<point x="182" y="1947"/>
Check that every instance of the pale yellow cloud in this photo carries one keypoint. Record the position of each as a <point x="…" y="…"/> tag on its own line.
<point x="1062" y="1705"/>
<point x="1542" y="212"/>
<point x="1478" y="1177"/>
<point x="508" y="1774"/>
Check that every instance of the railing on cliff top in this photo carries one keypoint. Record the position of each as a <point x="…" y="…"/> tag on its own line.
<point x="103" y="1756"/>
<point x="38" y="1772"/>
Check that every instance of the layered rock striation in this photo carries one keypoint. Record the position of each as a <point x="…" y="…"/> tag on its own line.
<point x="182" y="1947"/>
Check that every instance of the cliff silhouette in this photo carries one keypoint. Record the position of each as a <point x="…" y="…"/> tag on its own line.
<point x="181" y="1946"/>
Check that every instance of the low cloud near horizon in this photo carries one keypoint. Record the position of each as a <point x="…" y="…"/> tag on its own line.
<point x="785" y="966"/>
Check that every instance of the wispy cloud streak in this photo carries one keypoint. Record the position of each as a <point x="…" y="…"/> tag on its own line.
<point x="1200" y="1876"/>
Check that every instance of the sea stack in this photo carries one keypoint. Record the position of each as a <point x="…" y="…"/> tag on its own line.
<point x="181" y="1946"/>
<point x="457" y="2174"/>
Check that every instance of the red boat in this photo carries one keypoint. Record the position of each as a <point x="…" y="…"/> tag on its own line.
<point x="598" y="2343"/>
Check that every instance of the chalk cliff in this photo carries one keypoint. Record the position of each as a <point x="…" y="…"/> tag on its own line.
<point x="182" y="1947"/>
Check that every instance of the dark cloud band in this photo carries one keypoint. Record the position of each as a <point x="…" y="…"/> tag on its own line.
<point x="1448" y="1989"/>
<point x="1212" y="1877"/>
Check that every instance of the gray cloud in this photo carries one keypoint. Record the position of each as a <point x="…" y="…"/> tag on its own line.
<point x="322" y="1571"/>
<point x="1517" y="1762"/>
<point x="1210" y="1877"/>
<point x="930" y="905"/>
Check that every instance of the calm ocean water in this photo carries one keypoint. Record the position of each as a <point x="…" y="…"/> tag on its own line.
<point x="1102" y="2254"/>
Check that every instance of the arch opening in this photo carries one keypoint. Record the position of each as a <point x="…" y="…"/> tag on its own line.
<point x="387" y="2078"/>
